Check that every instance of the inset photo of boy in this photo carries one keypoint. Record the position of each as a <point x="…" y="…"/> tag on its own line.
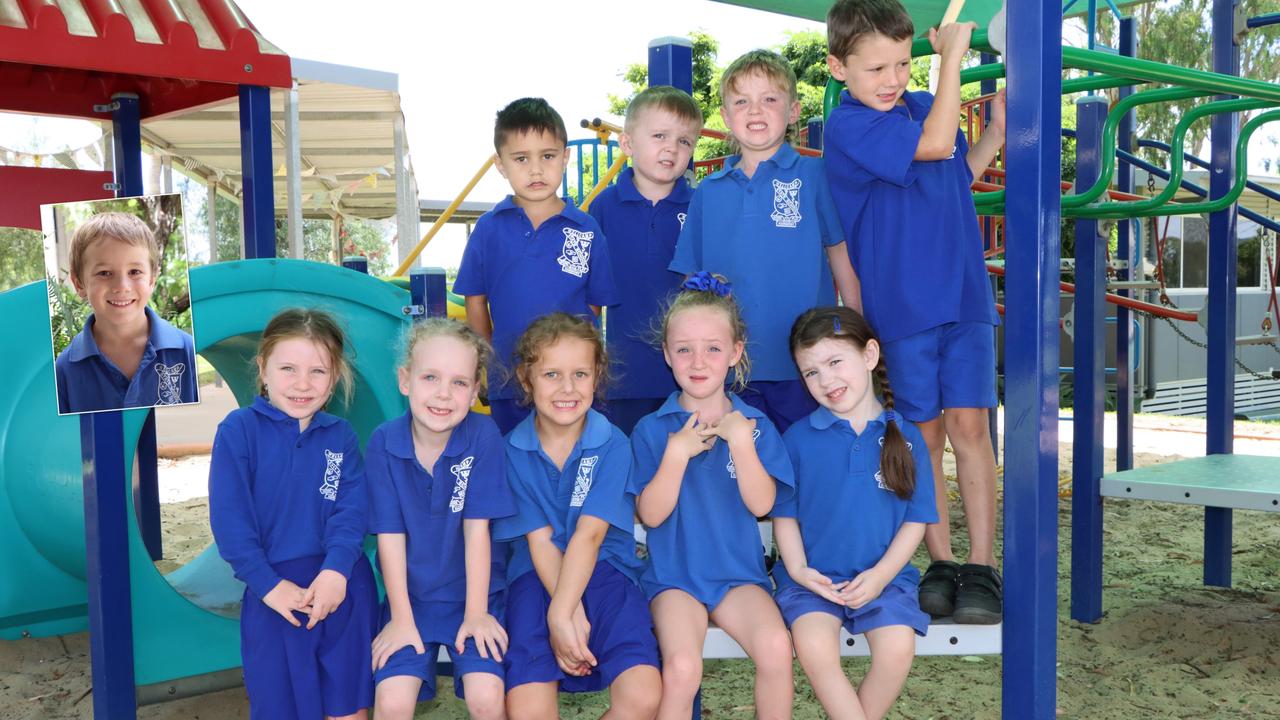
<point x="120" y="304"/>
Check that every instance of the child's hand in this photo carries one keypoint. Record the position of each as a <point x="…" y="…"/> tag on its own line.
<point x="996" y="121"/>
<point x="864" y="588"/>
<point x="819" y="584"/>
<point x="734" y="428"/>
<point x="491" y="639"/>
<point x="691" y="440"/>
<point x="324" y="596"/>
<point x="284" y="598"/>
<point x="397" y="634"/>
<point x="569" y="638"/>
<point x="951" y="40"/>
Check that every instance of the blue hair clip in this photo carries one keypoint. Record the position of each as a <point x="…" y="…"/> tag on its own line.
<point x="703" y="281"/>
<point x="890" y="416"/>
<point x="835" y="323"/>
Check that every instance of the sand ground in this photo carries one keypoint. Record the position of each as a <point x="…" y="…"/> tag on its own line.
<point x="1168" y="647"/>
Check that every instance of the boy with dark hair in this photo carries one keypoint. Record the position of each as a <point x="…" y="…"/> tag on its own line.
<point x="533" y="253"/>
<point x="900" y="171"/>
<point x="642" y="214"/>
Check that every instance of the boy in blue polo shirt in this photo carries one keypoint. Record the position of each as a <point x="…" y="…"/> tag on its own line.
<point x="126" y="355"/>
<point x="900" y="171"/>
<point x="532" y="254"/>
<point x="642" y="213"/>
<point x="768" y="223"/>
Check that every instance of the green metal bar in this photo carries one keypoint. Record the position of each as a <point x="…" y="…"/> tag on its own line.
<point x="1096" y="82"/>
<point x="978" y="41"/>
<point x="1207" y="82"/>
<point x="978" y="73"/>
<point x="1136" y="208"/>
<point x="1222" y="203"/>
<point x="1109" y="139"/>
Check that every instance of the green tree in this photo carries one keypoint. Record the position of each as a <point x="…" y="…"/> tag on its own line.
<point x="21" y="257"/>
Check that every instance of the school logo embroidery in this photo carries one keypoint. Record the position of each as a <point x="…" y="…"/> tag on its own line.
<point x="170" y="377"/>
<point x="461" y="474"/>
<point x="953" y="152"/>
<point x="576" y="252"/>
<point x="332" y="474"/>
<point x="582" y="485"/>
<point x="880" y="481"/>
<point x="755" y="435"/>
<point x="786" y="203"/>
<point x="681" y="217"/>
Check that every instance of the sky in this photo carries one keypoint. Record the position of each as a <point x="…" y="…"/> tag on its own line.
<point x="457" y="67"/>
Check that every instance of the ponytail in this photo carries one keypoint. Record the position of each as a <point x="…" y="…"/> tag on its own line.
<point x="897" y="466"/>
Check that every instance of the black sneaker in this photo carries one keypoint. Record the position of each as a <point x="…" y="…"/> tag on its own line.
<point x="938" y="588"/>
<point x="979" y="595"/>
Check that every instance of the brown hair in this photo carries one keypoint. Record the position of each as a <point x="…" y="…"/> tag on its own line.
<point x="663" y="97"/>
<point x="824" y="323"/>
<point x="688" y="298"/>
<point x="127" y="228"/>
<point x="848" y="21"/>
<point x="548" y="330"/>
<point x="527" y="115"/>
<point x="424" y="330"/>
<point x="311" y="324"/>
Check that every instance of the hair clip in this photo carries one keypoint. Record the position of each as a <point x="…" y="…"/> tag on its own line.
<point x="703" y="281"/>
<point x="890" y="416"/>
<point x="835" y="323"/>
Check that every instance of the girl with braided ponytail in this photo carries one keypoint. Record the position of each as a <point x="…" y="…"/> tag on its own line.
<point x="863" y="495"/>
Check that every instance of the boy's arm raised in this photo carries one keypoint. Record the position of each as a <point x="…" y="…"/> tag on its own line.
<point x="938" y="139"/>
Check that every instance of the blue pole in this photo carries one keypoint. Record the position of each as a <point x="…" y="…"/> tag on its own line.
<point x="106" y="532"/>
<point x="1128" y="42"/>
<point x="359" y="263"/>
<point x="814" y="135"/>
<point x="1220" y="380"/>
<point x="255" y="164"/>
<point x="1089" y="398"/>
<point x="1034" y="61"/>
<point x="671" y="63"/>
<point x="427" y="289"/>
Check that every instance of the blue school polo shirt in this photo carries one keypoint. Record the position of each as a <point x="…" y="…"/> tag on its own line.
<point x="593" y="481"/>
<point x="768" y="234"/>
<point x="468" y="482"/>
<point x="276" y="494"/>
<point x="847" y="517"/>
<point x="642" y="240"/>
<point x="710" y="543"/>
<point x="912" y="228"/>
<point x="527" y="273"/>
<point x="87" y="380"/>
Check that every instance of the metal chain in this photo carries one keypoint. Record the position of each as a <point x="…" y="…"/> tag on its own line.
<point x="1248" y="370"/>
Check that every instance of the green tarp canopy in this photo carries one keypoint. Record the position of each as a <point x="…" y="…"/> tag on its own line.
<point x="923" y="12"/>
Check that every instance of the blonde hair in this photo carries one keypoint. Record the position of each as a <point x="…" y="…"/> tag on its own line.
<point x="548" y="330"/>
<point x="663" y="97"/>
<point x="771" y="65"/>
<point x="444" y="327"/>
<point x="688" y="298"/>
<point x="315" y="325"/>
<point x="128" y="229"/>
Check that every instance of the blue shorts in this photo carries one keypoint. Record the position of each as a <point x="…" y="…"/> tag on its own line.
<point x="783" y="401"/>
<point x="407" y="661"/>
<point x="626" y="412"/>
<point x="621" y="631"/>
<point x="949" y="366"/>
<point x="298" y="673"/>
<point x="895" y="606"/>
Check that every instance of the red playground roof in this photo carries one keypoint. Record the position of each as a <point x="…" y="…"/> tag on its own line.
<point x="62" y="57"/>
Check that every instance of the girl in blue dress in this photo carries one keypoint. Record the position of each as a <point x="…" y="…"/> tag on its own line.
<point x="288" y="509"/>
<point x="863" y="495"/>
<point x="706" y="466"/>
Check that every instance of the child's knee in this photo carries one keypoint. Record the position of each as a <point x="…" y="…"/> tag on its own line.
<point x="394" y="705"/>
<point x="773" y="651"/>
<point x="682" y="673"/>
<point x="486" y="704"/>
<point x="638" y="699"/>
<point x="969" y="430"/>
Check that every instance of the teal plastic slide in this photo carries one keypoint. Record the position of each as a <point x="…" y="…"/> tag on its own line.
<point x="186" y="624"/>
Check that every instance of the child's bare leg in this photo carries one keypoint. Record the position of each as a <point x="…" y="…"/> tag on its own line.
<point x="976" y="474"/>
<point x="396" y="697"/>
<point x="893" y="649"/>
<point x="485" y="696"/>
<point x="751" y="618"/>
<point x="534" y="701"/>
<point x="817" y="639"/>
<point x="937" y="536"/>
<point x="681" y="624"/>
<point x="635" y="694"/>
<point x="361" y="714"/>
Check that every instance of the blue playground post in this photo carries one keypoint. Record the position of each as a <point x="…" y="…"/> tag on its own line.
<point x="1089" y="398"/>
<point x="427" y="290"/>
<point x="359" y="263"/>
<point x="255" y="160"/>
<point x="1128" y="46"/>
<point x="814" y="136"/>
<point x="1033" y="201"/>
<point x="106" y="510"/>
<point x="671" y="63"/>
<point x="1220" y="389"/>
